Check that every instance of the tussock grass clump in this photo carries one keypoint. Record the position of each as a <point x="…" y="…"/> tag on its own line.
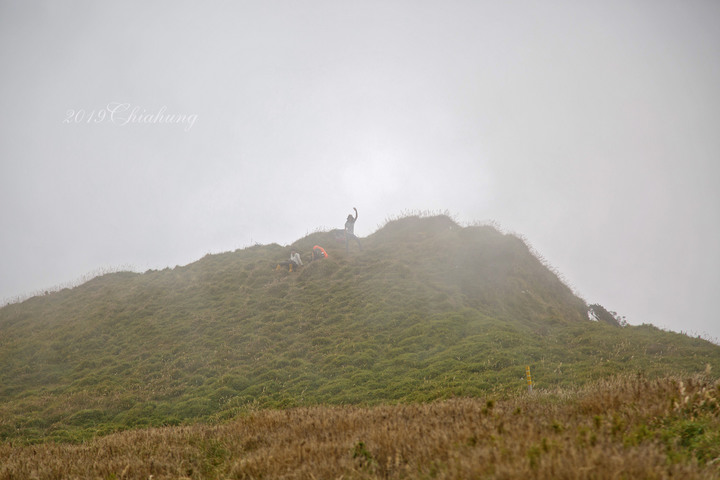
<point x="628" y="427"/>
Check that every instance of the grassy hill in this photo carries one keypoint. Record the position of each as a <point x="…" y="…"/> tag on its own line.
<point x="427" y="310"/>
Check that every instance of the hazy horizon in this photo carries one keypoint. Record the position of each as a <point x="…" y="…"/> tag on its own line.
<point x="148" y="135"/>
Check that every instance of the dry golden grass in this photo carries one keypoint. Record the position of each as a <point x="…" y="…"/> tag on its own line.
<point x="620" y="428"/>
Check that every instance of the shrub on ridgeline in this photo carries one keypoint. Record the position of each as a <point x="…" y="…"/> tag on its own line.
<point x="601" y="314"/>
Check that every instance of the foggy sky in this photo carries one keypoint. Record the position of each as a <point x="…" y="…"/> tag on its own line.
<point x="591" y="128"/>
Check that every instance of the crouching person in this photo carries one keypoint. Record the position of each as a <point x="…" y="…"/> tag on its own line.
<point x="318" y="252"/>
<point x="293" y="264"/>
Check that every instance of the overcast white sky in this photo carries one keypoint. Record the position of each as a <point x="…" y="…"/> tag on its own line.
<point x="592" y="128"/>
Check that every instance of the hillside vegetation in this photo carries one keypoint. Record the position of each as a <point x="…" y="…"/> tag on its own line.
<point x="427" y="310"/>
<point x="629" y="427"/>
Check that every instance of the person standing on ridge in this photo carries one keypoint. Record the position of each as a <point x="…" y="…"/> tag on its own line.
<point x="350" y="230"/>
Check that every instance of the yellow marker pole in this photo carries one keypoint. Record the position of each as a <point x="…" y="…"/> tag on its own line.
<point x="529" y="378"/>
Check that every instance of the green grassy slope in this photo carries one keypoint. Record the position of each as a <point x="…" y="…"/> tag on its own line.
<point x="426" y="310"/>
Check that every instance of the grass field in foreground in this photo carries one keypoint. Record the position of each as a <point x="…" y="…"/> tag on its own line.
<point x="625" y="427"/>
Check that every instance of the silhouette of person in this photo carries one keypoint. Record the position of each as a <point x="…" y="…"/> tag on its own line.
<point x="350" y="230"/>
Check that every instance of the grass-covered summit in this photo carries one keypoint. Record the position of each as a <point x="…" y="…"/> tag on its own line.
<point x="427" y="310"/>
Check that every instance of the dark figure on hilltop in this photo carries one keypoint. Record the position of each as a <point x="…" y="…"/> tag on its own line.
<point x="350" y="230"/>
<point x="293" y="264"/>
